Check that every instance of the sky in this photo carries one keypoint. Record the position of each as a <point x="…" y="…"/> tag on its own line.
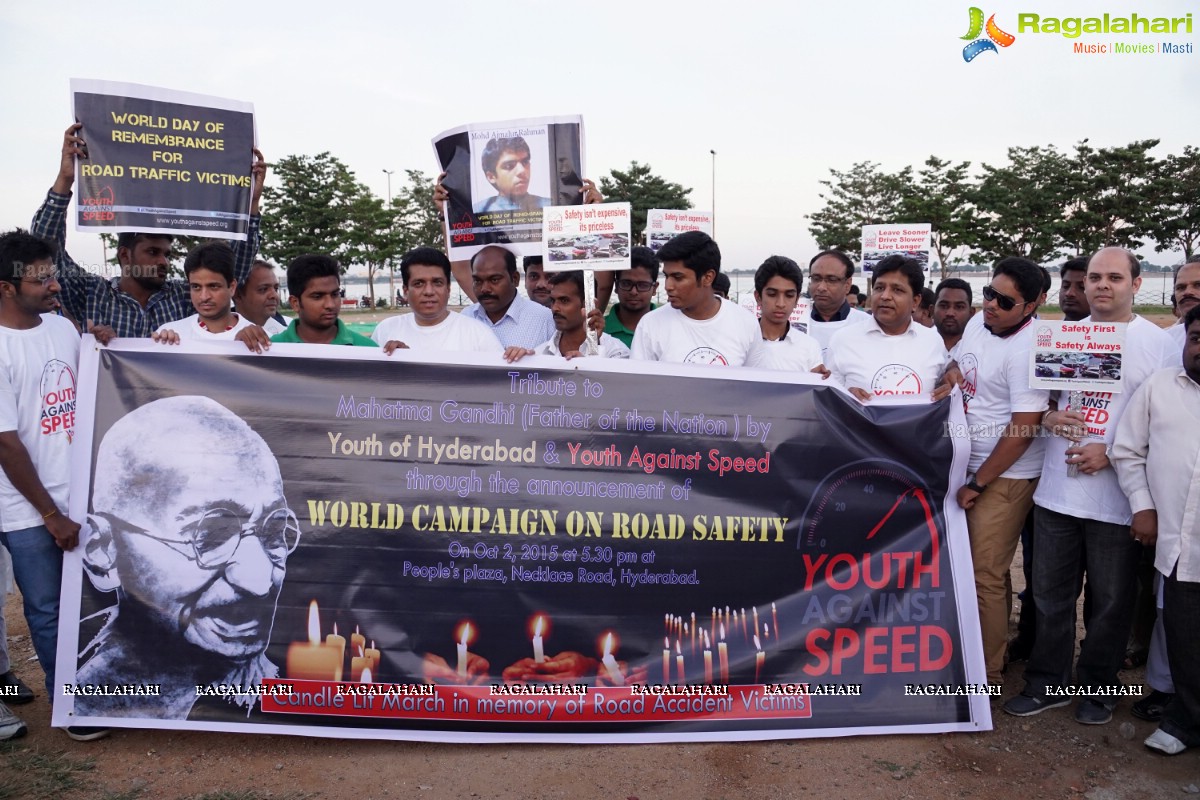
<point x="783" y="92"/>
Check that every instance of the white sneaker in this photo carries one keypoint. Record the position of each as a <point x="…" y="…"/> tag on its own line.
<point x="1164" y="742"/>
<point x="11" y="726"/>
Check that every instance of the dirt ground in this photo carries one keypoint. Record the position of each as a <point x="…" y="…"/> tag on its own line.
<point x="1048" y="756"/>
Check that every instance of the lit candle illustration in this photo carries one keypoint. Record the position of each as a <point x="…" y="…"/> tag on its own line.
<point x="462" y="649"/>
<point x="610" y="663"/>
<point x="707" y="658"/>
<point x="372" y="654"/>
<point x="666" y="660"/>
<point x="745" y="635"/>
<point x="775" y="621"/>
<point x="723" y="657"/>
<point x="759" y="659"/>
<point x="679" y="662"/>
<point x="538" y="654"/>
<point x="314" y="660"/>
<point x="357" y="640"/>
<point x="693" y="633"/>
<point x="333" y="640"/>
<point x="359" y="663"/>
<point x="755" y="627"/>
<point x="713" y="626"/>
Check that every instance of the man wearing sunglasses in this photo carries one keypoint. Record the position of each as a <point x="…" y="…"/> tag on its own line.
<point x="194" y="553"/>
<point x="635" y="295"/>
<point x="1003" y="417"/>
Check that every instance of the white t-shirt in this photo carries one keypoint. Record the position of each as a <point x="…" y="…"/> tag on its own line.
<point x="37" y="400"/>
<point x="908" y="363"/>
<point x="455" y="333"/>
<point x="996" y="386"/>
<point x="189" y="329"/>
<point x="1148" y="348"/>
<point x="731" y="338"/>
<point x="609" y="347"/>
<point x="824" y="331"/>
<point x="795" y="352"/>
<point x="1178" y="334"/>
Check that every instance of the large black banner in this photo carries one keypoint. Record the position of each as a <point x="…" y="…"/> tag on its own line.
<point x="573" y="552"/>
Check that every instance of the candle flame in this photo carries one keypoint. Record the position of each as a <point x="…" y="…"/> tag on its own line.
<point x="722" y="631"/>
<point x="772" y="606"/>
<point x="666" y="643"/>
<point x="608" y="645"/>
<point x="335" y="629"/>
<point x="757" y="646"/>
<point x="366" y="675"/>
<point x="356" y="629"/>
<point x="678" y="649"/>
<point x="372" y="644"/>
<point x="537" y="627"/>
<point x="314" y="623"/>
<point x="466" y="634"/>
<point x="707" y="642"/>
<point x="766" y="631"/>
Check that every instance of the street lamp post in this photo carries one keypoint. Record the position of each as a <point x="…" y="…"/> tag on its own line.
<point x="391" y="271"/>
<point x="714" y="192"/>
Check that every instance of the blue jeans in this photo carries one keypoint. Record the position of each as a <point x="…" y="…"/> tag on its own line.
<point x="37" y="568"/>
<point x="1064" y="548"/>
<point x="1181" y="608"/>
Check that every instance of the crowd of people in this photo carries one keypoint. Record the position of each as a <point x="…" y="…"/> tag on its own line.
<point x="1101" y="489"/>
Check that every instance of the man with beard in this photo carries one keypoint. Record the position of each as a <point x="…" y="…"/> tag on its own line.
<point x="141" y="299"/>
<point x="39" y="352"/>
<point x="194" y="555"/>
<point x="537" y="281"/>
<point x="952" y="310"/>
<point x="514" y="319"/>
<point x="635" y="295"/>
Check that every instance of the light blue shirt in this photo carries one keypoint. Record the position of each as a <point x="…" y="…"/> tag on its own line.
<point x="525" y="323"/>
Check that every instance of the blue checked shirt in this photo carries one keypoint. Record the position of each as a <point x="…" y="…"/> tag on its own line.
<point x="93" y="297"/>
<point x="525" y="323"/>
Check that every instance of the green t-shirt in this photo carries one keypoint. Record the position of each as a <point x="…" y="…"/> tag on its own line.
<point x="614" y="328"/>
<point x="344" y="336"/>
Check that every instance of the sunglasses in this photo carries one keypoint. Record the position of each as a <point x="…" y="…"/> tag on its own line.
<point x="1005" y="302"/>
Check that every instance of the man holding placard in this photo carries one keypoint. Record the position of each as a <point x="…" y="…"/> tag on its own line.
<point x="142" y="299"/>
<point x="1082" y="518"/>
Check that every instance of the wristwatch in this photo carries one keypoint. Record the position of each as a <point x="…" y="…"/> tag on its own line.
<point x="974" y="486"/>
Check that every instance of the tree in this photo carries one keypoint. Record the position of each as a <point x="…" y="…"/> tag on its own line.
<point x="643" y="190"/>
<point x="1019" y="206"/>
<point x="311" y="210"/>
<point x="1108" y="196"/>
<point x="372" y="238"/>
<point x="863" y="195"/>
<point x="416" y="217"/>
<point x="939" y="196"/>
<point x="1173" y="218"/>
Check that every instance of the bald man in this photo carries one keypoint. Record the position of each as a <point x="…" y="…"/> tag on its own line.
<point x="194" y="554"/>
